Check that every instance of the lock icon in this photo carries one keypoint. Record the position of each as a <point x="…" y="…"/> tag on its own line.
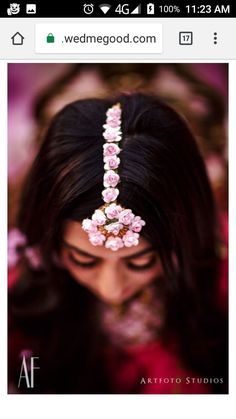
<point x="50" y="38"/>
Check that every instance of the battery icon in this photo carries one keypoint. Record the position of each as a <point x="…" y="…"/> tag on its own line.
<point x="150" y="9"/>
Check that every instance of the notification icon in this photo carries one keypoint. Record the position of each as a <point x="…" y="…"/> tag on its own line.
<point x="31" y="9"/>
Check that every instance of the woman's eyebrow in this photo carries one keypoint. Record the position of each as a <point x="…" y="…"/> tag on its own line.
<point x="77" y="250"/>
<point x="140" y="253"/>
<point x="83" y="253"/>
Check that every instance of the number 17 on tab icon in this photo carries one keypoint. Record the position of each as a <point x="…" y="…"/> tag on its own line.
<point x="185" y="38"/>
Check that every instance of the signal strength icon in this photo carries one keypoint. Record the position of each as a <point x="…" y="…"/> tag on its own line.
<point x="137" y="10"/>
<point x="104" y="8"/>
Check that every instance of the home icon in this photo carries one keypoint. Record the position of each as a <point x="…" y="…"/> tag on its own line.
<point x="17" y="39"/>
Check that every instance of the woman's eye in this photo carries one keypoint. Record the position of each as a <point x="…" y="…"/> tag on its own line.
<point x="82" y="264"/>
<point x="143" y="265"/>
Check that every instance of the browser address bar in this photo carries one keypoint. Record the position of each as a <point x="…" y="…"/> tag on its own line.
<point x="98" y="38"/>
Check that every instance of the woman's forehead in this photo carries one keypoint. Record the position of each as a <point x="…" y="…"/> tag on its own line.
<point x="75" y="236"/>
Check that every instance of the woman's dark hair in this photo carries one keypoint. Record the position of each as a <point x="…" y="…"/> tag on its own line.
<point x="163" y="179"/>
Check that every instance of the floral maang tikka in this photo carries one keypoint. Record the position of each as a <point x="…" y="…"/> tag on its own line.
<point x="112" y="225"/>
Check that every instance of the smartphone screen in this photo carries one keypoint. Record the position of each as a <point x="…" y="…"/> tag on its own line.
<point x="116" y="120"/>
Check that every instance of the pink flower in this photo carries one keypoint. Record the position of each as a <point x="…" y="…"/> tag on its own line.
<point x="113" y="211"/>
<point x="111" y="149"/>
<point x="113" y="122"/>
<point x="113" y="116"/>
<point x="114" y="243"/>
<point x="99" y="217"/>
<point x="130" y="239"/>
<point x="16" y="240"/>
<point x="126" y="216"/>
<point x="110" y="194"/>
<point x="111" y="134"/>
<point x="97" y="239"/>
<point x="137" y="224"/>
<point x="89" y="226"/>
<point x="114" y="228"/>
<point x="34" y="257"/>
<point x="111" y="162"/>
<point x="114" y="111"/>
<point x="110" y="178"/>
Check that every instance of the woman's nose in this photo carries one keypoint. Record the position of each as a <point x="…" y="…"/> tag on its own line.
<point x="112" y="284"/>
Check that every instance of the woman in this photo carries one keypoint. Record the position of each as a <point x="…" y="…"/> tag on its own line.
<point x="136" y="318"/>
